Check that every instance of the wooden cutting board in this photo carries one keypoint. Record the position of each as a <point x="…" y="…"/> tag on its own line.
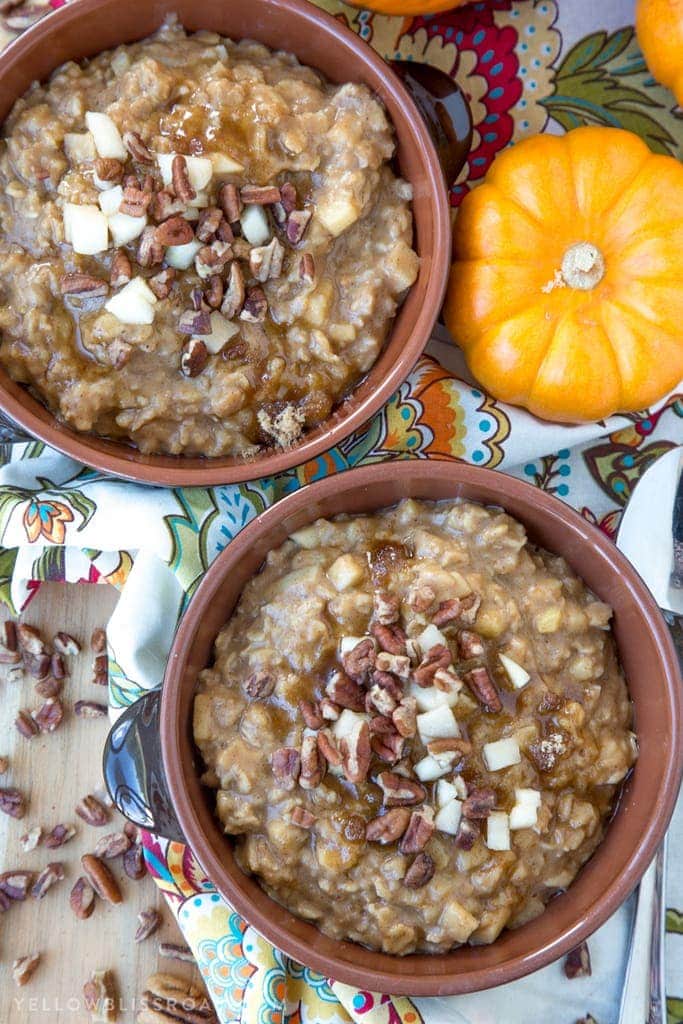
<point x="55" y="771"/>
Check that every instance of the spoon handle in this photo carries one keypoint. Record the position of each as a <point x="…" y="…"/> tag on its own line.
<point x="657" y="1013"/>
<point x="642" y="995"/>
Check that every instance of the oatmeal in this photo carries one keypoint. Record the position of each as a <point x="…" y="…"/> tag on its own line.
<point x="203" y="243"/>
<point x="416" y="725"/>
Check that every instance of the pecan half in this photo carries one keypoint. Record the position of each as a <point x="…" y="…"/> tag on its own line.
<point x="420" y="871"/>
<point x="302" y="817"/>
<point x="8" y="635"/>
<point x="108" y="169"/>
<point x="25" y="724"/>
<point x="12" y="802"/>
<point x="181" y="180"/>
<point x="57" y="666"/>
<point x="438" y="657"/>
<point x="390" y="638"/>
<point x="49" y="687"/>
<point x="327" y="745"/>
<point x="260" y="684"/>
<point x="419" y="832"/>
<point x="230" y="202"/>
<point x="313" y="764"/>
<point x="467" y="835"/>
<point x="255" y="306"/>
<point x="137" y="148"/>
<point x="578" y="962"/>
<point x="171" y="1000"/>
<point x="150" y="250"/>
<point x="389" y="827"/>
<point x="470" y="645"/>
<point x="174" y="231"/>
<point x="484" y="689"/>
<point x="59" y="835"/>
<point x="148" y="922"/>
<point x="310" y="712"/>
<point x="49" y="876"/>
<point x="356" y="753"/>
<point x="214" y="293"/>
<point x="101" y="998"/>
<point x="399" y="791"/>
<point x="30" y="640"/>
<point x="16" y="884"/>
<point x="101" y="878"/>
<point x="112" y="845"/>
<point x="162" y="283"/>
<point x="261" y="195"/>
<point x="234" y="293"/>
<point x="307" y="268"/>
<point x="82" y="899"/>
<point x="30" y="840"/>
<point x="404" y="717"/>
<point x="345" y="692"/>
<point x="194" y="357"/>
<point x="82" y="284"/>
<point x="90" y="709"/>
<point x="297" y="222"/>
<point x="358" y="661"/>
<point x="134" y="862"/>
<point x="285" y="764"/>
<point x="37" y="666"/>
<point x="49" y="717"/>
<point x="24" y="968"/>
<point x="92" y="811"/>
<point x="479" y="803"/>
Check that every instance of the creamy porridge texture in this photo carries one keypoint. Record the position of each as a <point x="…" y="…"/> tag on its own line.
<point x="416" y="725"/>
<point x="203" y="243"/>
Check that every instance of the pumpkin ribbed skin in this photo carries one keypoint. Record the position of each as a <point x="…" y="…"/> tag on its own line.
<point x="543" y="321"/>
<point x="659" y="28"/>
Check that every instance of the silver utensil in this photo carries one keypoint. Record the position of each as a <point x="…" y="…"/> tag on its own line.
<point x="651" y="536"/>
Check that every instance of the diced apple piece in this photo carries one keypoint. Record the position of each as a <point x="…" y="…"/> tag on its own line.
<point x="498" y="831"/>
<point x="254" y="223"/>
<point x="347" y="723"/>
<point x="430" y="637"/>
<point x="517" y="675"/>
<point x="182" y="256"/>
<point x="134" y="304"/>
<point x="222" y="331"/>
<point x="460" y="787"/>
<point x="445" y="792"/>
<point x="437" y="724"/>
<point x="191" y="213"/>
<point x="308" y="537"/>
<point x="86" y="228"/>
<point x="79" y="147"/>
<point x="346" y="571"/>
<point x="429" y="769"/>
<point x="429" y="697"/>
<point x="448" y="817"/>
<point x="456" y="922"/>
<point x="525" y="812"/>
<point x="201" y="199"/>
<point x="101" y="183"/>
<point x="199" y="170"/>
<point x="124" y="228"/>
<point x="222" y="163"/>
<point x="336" y="214"/>
<point x="111" y="200"/>
<point x="106" y="136"/>
<point x="501" y="754"/>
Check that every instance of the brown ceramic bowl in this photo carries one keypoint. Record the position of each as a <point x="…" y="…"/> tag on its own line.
<point x="86" y="28"/>
<point x="648" y="658"/>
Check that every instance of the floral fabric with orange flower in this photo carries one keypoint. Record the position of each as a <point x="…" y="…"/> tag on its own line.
<point x="526" y="66"/>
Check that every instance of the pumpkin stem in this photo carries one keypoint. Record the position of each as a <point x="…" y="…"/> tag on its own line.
<point x="583" y="266"/>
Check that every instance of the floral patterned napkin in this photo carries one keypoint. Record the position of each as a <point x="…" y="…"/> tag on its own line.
<point x="526" y="66"/>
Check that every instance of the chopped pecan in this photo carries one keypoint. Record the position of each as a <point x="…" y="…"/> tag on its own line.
<point x="16" y="884"/>
<point x="98" y="640"/>
<point x="194" y="322"/>
<point x="327" y="745"/>
<point x="446" y="680"/>
<point x="59" y="835"/>
<point x="57" y="666"/>
<point x="419" y="832"/>
<point x="234" y="293"/>
<point x="255" y="306"/>
<point x="260" y="684"/>
<point x="421" y="597"/>
<point x="137" y="148"/>
<point x="171" y="1000"/>
<point x="399" y="791"/>
<point x="9" y="657"/>
<point x="469" y="606"/>
<point x="150" y="250"/>
<point x="230" y="202"/>
<point x="467" y="835"/>
<point x="224" y="232"/>
<point x="388" y="827"/>
<point x="174" y="231"/>
<point x="358" y="661"/>
<point x="92" y="811"/>
<point x="212" y="259"/>
<point x="51" y="874"/>
<point x="207" y="225"/>
<point x="37" y="666"/>
<point x="447" y="612"/>
<point x="307" y="268"/>
<point x="313" y="764"/>
<point x="381" y="699"/>
<point x="470" y="645"/>
<point x="101" y="998"/>
<point x="344" y="691"/>
<point x="578" y="962"/>
<point x="288" y="197"/>
<point x="82" y="284"/>
<point x="356" y="753"/>
<point x="26" y="725"/>
<point x="399" y="664"/>
<point x="302" y="817"/>
<point x="148" y="922"/>
<point x="285" y="764"/>
<point x="108" y="169"/>
<point x="420" y="871"/>
<point x="479" y="803"/>
<point x="484" y="689"/>
<point x="390" y="638"/>
<point x="164" y="205"/>
<point x="30" y="840"/>
<point x="194" y="357"/>
<point x="90" y="709"/>
<point x="181" y="180"/>
<point x="12" y="802"/>
<point x="310" y="712"/>
<point x="404" y="717"/>
<point x="438" y="657"/>
<point x="297" y="222"/>
<point x="112" y="845"/>
<point x="8" y="635"/>
<point x="82" y="898"/>
<point x="381" y="725"/>
<point x="214" y="293"/>
<point x="49" y="717"/>
<point x="134" y="862"/>
<point x="388" y="682"/>
<point x="174" y="951"/>
<point x="449" y="750"/>
<point x="388" y="747"/>
<point x="265" y="261"/>
<point x="261" y="195"/>
<point x="30" y="641"/>
<point x="135" y="202"/>
<point x="101" y="878"/>
<point x="24" y="968"/>
<point x="329" y="710"/>
<point x="100" y="670"/>
<point x="162" y="283"/>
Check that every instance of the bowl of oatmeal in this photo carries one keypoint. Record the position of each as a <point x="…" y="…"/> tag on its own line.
<point x="225" y="236"/>
<point x="421" y="727"/>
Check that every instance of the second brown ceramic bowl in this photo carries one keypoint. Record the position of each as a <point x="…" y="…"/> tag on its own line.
<point x="86" y="28"/>
<point x="646" y="653"/>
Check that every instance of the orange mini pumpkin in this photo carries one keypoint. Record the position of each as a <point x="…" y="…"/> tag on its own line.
<point x="409" y="8"/>
<point x="566" y="291"/>
<point x="659" y="28"/>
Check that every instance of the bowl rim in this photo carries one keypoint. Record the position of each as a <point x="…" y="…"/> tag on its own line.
<point x="125" y="461"/>
<point x="605" y="902"/>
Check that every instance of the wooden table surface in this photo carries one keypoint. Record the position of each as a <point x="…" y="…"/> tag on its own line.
<point x="55" y="771"/>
